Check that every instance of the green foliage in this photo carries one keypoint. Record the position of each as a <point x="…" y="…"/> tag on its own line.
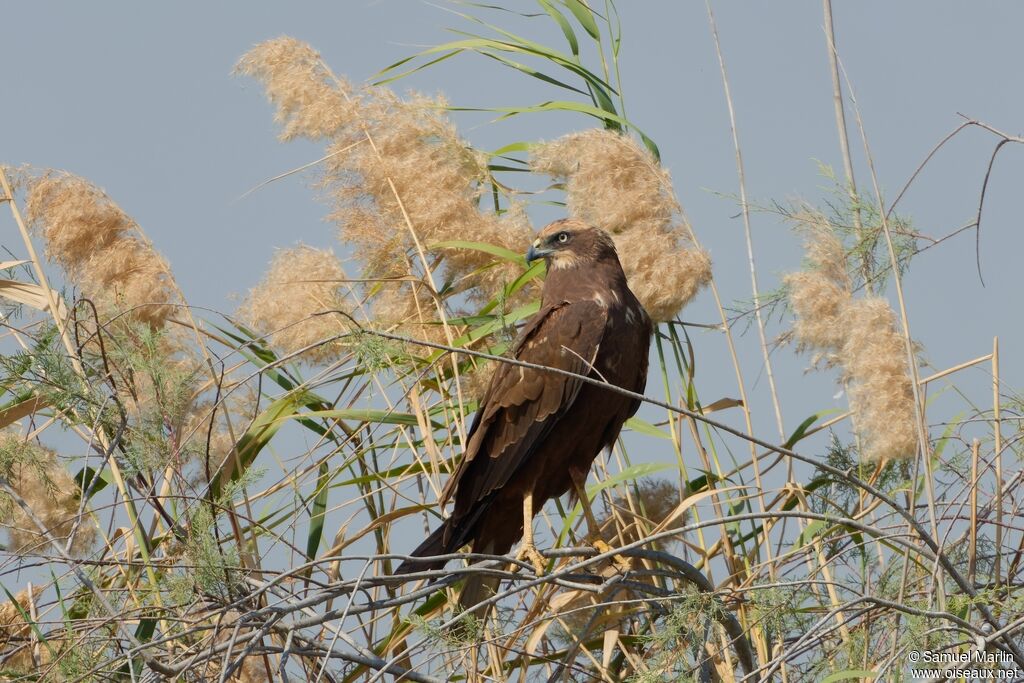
<point x="777" y="609"/>
<point x="212" y="567"/>
<point x="676" y="647"/>
<point x="374" y="354"/>
<point x="841" y="497"/>
<point x="84" y="657"/>
<point x="161" y="388"/>
<point x="44" y="370"/>
<point x="858" y="221"/>
<point x="466" y="631"/>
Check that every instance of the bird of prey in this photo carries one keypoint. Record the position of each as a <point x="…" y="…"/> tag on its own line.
<point x="536" y="433"/>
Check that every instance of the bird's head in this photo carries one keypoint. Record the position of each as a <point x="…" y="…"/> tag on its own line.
<point x="569" y="243"/>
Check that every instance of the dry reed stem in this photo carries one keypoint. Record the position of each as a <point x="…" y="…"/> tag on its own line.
<point x="745" y="209"/>
<point x="844" y="140"/>
<point x="756" y="290"/>
<point x="997" y="443"/>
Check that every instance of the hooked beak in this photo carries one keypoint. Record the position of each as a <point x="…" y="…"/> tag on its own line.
<point x="535" y="253"/>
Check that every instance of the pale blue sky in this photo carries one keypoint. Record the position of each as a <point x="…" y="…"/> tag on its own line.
<point x="139" y="98"/>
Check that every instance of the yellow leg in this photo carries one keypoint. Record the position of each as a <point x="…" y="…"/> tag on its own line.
<point x="595" y="529"/>
<point x="588" y="513"/>
<point x="527" y="550"/>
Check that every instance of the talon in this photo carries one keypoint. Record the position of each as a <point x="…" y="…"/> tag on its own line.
<point x="621" y="562"/>
<point x="530" y="552"/>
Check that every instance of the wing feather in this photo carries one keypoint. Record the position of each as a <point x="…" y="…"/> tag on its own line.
<point x="522" y="405"/>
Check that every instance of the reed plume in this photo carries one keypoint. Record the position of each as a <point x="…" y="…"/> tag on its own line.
<point x="100" y="247"/>
<point x="614" y="183"/>
<point x="306" y="96"/>
<point x="15" y="632"/>
<point x="861" y="336"/>
<point x="292" y="305"/>
<point x="401" y="181"/>
<point x="37" y="476"/>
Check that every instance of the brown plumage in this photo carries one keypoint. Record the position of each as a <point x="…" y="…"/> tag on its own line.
<point x="536" y="433"/>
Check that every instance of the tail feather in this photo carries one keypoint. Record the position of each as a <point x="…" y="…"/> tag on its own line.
<point x="434" y="545"/>
<point x="445" y="540"/>
<point x="477" y="588"/>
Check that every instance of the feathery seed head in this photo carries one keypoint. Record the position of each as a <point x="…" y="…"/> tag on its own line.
<point x="611" y="181"/>
<point x="862" y="337"/>
<point x="100" y="248"/>
<point x="820" y="294"/>
<point x="663" y="275"/>
<point x="309" y="100"/>
<point x="417" y="183"/>
<point x="15" y="632"/>
<point x="301" y="283"/>
<point x="614" y="183"/>
<point x="53" y="496"/>
<point x="819" y="305"/>
<point x="136" y="279"/>
<point x="874" y="358"/>
<point x="74" y="217"/>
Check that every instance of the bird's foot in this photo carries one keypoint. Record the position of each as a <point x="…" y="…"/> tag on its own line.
<point x="621" y="562"/>
<point x="528" y="551"/>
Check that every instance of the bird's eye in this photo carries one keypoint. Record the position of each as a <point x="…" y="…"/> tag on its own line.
<point x="563" y="237"/>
